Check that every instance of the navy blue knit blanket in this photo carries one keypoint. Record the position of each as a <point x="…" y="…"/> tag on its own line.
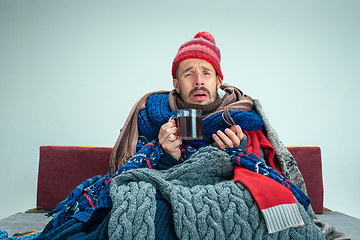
<point x="90" y="202"/>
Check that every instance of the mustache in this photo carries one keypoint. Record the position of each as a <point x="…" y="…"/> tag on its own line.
<point x="199" y="89"/>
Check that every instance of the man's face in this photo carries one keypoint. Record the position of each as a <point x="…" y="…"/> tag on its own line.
<point x="197" y="81"/>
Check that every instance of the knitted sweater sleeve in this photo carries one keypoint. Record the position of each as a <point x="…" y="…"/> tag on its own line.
<point x="243" y="143"/>
<point x="166" y="161"/>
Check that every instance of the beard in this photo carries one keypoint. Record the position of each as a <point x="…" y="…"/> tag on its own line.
<point x="211" y="96"/>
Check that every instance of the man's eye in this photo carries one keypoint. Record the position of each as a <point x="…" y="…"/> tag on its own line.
<point x="188" y="74"/>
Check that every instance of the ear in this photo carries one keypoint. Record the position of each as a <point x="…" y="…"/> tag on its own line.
<point x="219" y="81"/>
<point x="176" y="85"/>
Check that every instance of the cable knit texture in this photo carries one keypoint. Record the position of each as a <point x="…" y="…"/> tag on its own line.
<point x="206" y="203"/>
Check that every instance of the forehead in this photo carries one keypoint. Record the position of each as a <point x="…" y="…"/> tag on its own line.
<point x="193" y="62"/>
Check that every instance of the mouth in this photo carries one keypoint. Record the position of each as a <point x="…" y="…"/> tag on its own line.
<point x="200" y="95"/>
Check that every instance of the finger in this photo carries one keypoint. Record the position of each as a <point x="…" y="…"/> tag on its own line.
<point x="177" y="143"/>
<point x="163" y="137"/>
<point x="164" y="127"/>
<point x="167" y="129"/>
<point x="172" y="147"/>
<point x="237" y="129"/>
<point x="171" y="137"/>
<point x="218" y="141"/>
<point x="233" y="137"/>
<point x="224" y="138"/>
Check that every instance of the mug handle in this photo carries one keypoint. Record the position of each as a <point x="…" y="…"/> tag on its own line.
<point x="173" y="117"/>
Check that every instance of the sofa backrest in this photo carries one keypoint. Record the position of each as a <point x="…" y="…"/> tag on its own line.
<point x="63" y="168"/>
<point x="309" y="163"/>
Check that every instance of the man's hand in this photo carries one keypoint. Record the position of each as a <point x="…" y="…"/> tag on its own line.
<point x="168" y="140"/>
<point x="231" y="138"/>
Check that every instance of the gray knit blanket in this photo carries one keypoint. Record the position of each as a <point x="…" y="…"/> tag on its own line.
<point x="206" y="203"/>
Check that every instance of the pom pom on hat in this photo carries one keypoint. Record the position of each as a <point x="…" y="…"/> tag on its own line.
<point x="205" y="35"/>
<point x="202" y="46"/>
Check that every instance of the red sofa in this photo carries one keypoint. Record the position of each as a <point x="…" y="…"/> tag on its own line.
<point x="62" y="168"/>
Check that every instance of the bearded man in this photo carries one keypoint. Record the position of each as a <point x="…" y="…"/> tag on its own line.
<point x="237" y="182"/>
<point x="197" y="81"/>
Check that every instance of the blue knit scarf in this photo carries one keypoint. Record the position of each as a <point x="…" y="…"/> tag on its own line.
<point x="157" y="112"/>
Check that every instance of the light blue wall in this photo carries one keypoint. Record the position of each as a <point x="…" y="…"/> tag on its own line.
<point x="70" y="72"/>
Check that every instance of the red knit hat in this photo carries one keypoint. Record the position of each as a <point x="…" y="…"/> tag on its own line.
<point x="202" y="46"/>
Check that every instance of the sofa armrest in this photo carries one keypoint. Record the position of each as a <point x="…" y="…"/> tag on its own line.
<point x="63" y="168"/>
<point x="309" y="163"/>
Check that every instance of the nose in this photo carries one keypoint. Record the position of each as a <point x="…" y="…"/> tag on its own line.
<point x="199" y="80"/>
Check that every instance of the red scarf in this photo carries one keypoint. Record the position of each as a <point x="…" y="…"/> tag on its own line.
<point x="276" y="202"/>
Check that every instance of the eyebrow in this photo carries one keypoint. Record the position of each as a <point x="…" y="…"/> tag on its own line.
<point x="207" y="69"/>
<point x="204" y="68"/>
<point x="188" y="69"/>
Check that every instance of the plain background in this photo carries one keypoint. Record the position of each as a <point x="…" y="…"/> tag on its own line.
<point x="70" y="71"/>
